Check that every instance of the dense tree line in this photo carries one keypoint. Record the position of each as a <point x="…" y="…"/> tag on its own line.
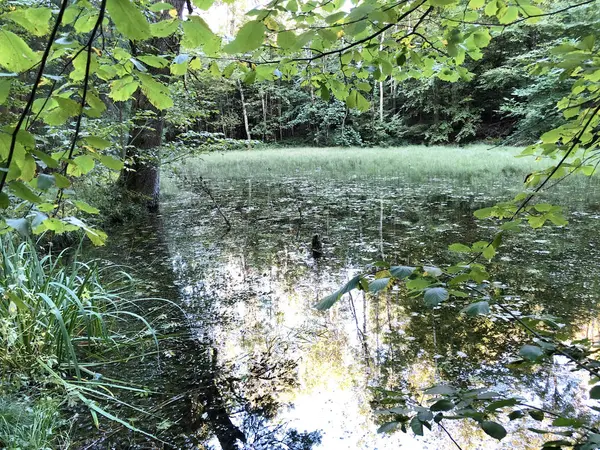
<point x="502" y="101"/>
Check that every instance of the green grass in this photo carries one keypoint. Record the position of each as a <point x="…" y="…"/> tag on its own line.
<point x="414" y="162"/>
<point x="59" y="317"/>
<point x="57" y="310"/>
<point x="483" y="168"/>
<point x="26" y="424"/>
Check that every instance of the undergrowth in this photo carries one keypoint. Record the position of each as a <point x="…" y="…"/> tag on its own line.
<point x="59" y="317"/>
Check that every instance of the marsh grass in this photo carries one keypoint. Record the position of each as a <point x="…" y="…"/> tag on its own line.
<point x="59" y="317"/>
<point x="56" y="309"/>
<point x="413" y="162"/>
<point x="493" y="170"/>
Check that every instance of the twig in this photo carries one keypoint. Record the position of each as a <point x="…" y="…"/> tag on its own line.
<point x="206" y="189"/>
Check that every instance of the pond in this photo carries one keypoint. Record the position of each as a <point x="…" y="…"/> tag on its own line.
<point x="251" y="360"/>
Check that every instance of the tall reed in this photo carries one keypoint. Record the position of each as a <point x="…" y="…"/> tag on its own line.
<point x="56" y="308"/>
<point x="59" y="317"/>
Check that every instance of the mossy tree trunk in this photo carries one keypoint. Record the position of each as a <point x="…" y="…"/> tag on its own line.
<point x="141" y="177"/>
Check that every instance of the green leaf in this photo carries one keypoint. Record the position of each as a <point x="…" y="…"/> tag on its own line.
<point x="510" y="15"/>
<point x="85" y="163"/>
<point x="154" y="61"/>
<point x="476" y="309"/>
<point x="378" y="285"/>
<point x="482" y="38"/>
<point x="484" y="213"/>
<point x="517" y="414"/>
<point x="128" y="19"/>
<point x="164" y="28"/>
<point x="501" y="404"/>
<point x="4" y="200"/>
<point x="493" y="429"/>
<point x="95" y="106"/>
<point x="356" y="101"/>
<point x="401" y="272"/>
<point x="15" y="54"/>
<point x="24" y="192"/>
<point x="96" y="236"/>
<point x="197" y="34"/>
<point x="536" y="415"/>
<point x="21" y="225"/>
<point x="64" y="108"/>
<point x="459" y="248"/>
<point x="35" y="20"/>
<point x="442" y="405"/>
<point x="536" y="221"/>
<point x="122" y="90"/>
<point x="531" y="352"/>
<point x="434" y="296"/>
<point x="83" y="206"/>
<point x="97" y="142"/>
<point x="442" y="2"/>
<point x="52" y="224"/>
<point x="156" y="92"/>
<point x="179" y="69"/>
<point x="566" y="422"/>
<point x="441" y="389"/>
<point x="61" y="181"/>
<point x="491" y="8"/>
<point x="476" y="4"/>
<point x="328" y="302"/>
<point x="388" y="427"/>
<point x="595" y="392"/>
<point x="551" y="136"/>
<point x="286" y="39"/>
<point x="249" y="38"/>
<point x="335" y="17"/>
<point x="160" y="6"/>
<point x="530" y="10"/>
<point x="417" y="426"/>
<point x="447" y="74"/>
<point x="111" y="162"/>
<point x="425" y="415"/>
<point x="45" y="181"/>
<point x="204" y="4"/>
<point x="488" y="252"/>
<point x="5" y="85"/>
<point x="418" y="284"/>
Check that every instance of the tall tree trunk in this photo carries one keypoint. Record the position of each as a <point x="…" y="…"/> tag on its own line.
<point x="381" y="101"/>
<point x="142" y="176"/>
<point x="279" y="120"/>
<point x="244" y="112"/>
<point x="264" y="111"/>
<point x="394" y="91"/>
<point x="381" y="84"/>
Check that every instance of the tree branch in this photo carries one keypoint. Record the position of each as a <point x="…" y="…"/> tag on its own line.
<point x="30" y="100"/>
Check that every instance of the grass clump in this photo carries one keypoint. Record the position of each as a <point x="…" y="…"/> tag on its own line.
<point x="28" y="424"/>
<point x="57" y="316"/>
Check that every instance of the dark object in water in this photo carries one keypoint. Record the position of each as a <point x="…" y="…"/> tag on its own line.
<point x="317" y="246"/>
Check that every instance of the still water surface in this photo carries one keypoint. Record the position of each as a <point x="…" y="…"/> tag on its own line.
<point x="264" y="367"/>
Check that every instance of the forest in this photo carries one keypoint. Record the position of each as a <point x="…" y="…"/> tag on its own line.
<point x="299" y="224"/>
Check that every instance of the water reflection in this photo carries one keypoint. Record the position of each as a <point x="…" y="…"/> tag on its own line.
<point x="263" y="369"/>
